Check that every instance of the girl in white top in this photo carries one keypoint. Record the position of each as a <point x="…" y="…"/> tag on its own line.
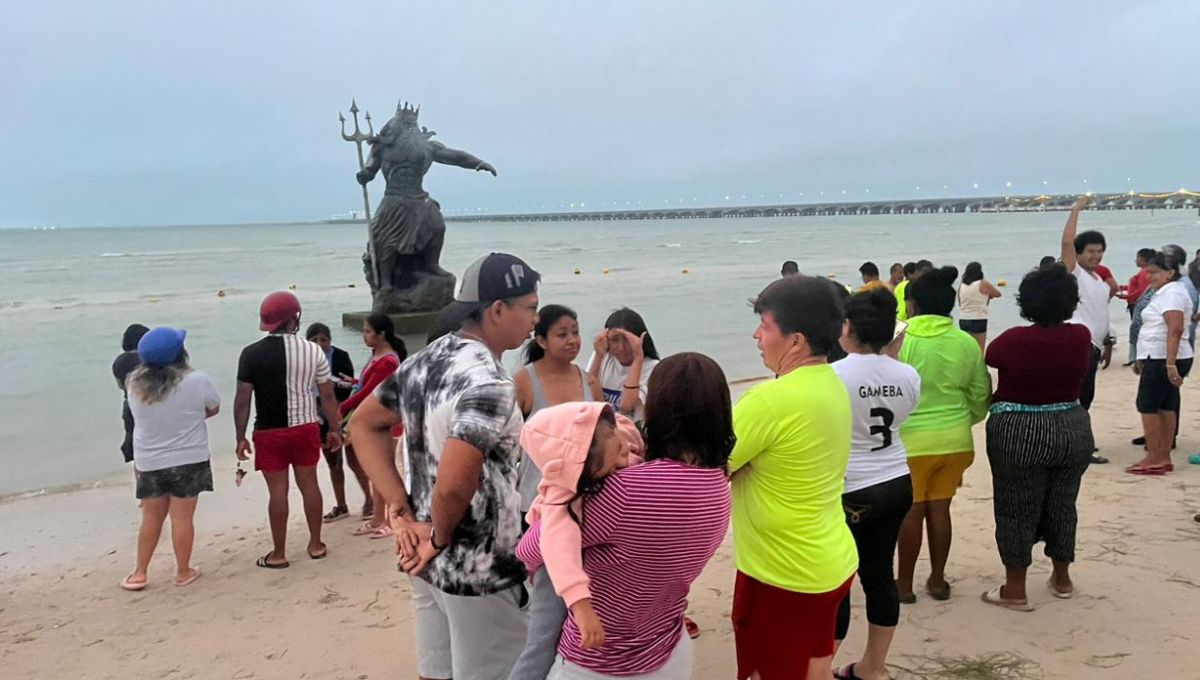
<point x="1164" y="358"/>
<point x="973" y="297"/>
<point x="623" y="357"/>
<point x="878" y="490"/>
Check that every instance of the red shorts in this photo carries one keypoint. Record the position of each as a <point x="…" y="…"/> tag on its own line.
<point x="275" y="450"/>
<point x="777" y="631"/>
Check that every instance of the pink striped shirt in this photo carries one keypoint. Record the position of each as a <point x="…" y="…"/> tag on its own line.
<point x="646" y="537"/>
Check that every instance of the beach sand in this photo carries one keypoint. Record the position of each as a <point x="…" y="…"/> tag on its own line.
<point x="62" y="615"/>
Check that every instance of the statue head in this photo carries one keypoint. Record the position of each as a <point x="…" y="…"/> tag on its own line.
<point x="407" y="115"/>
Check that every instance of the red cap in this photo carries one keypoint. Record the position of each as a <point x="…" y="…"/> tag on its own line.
<point x="277" y="309"/>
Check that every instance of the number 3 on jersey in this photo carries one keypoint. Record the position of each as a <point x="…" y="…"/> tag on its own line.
<point x="886" y="418"/>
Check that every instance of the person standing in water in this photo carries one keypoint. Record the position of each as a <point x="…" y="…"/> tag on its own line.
<point x="974" y="295"/>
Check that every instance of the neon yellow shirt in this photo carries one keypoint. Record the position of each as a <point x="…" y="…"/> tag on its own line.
<point x="956" y="387"/>
<point x="901" y="303"/>
<point x="789" y="468"/>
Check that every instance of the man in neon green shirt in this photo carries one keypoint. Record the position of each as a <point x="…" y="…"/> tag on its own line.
<point x="794" y="553"/>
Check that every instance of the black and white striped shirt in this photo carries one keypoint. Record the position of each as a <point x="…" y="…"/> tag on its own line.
<point x="283" y="368"/>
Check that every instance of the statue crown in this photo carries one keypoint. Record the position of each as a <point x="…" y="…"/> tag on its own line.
<point x="403" y="108"/>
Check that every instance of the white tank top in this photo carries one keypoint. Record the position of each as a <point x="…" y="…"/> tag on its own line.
<point x="972" y="302"/>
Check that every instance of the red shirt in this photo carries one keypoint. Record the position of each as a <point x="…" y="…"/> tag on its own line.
<point x="1138" y="284"/>
<point x="376" y="371"/>
<point x="1039" y="364"/>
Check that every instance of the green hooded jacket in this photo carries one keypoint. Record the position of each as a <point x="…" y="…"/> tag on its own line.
<point x="956" y="387"/>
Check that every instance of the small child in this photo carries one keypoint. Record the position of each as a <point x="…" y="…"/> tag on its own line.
<point x="576" y="445"/>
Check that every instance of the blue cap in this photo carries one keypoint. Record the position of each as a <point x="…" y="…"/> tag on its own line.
<point x="161" y="346"/>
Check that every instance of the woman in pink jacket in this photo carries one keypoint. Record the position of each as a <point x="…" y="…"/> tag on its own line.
<point x="646" y="531"/>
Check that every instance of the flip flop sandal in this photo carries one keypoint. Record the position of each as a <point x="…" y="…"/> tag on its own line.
<point x="321" y="555"/>
<point x="846" y="673"/>
<point x="262" y="562"/>
<point x="132" y="586"/>
<point x="1058" y="593"/>
<point x="384" y="531"/>
<point x="189" y="580"/>
<point x="365" y="529"/>
<point x="335" y="514"/>
<point x="940" y="594"/>
<point x="1147" y="470"/>
<point x="693" y="630"/>
<point x="993" y="597"/>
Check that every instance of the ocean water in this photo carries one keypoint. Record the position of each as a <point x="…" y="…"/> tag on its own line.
<point x="67" y="295"/>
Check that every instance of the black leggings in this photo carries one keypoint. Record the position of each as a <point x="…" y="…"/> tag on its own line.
<point x="875" y="515"/>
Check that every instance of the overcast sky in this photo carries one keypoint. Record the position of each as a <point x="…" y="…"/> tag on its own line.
<point x="151" y="112"/>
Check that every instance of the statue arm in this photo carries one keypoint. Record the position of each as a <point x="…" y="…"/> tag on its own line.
<point x="462" y="159"/>
<point x="374" y="162"/>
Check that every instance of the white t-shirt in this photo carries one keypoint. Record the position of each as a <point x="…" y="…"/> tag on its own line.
<point x="1152" y="338"/>
<point x="883" y="392"/>
<point x="1093" y="304"/>
<point x="172" y="431"/>
<point x="612" y="378"/>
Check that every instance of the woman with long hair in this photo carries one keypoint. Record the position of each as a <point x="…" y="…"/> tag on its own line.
<point x="974" y="295"/>
<point x="1039" y="437"/>
<point x="170" y="402"/>
<point x="387" y="353"/>
<point x="550" y="377"/>
<point x="955" y="391"/>
<point x="622" y="360"/>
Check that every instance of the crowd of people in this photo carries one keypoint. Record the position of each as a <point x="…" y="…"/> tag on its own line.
<point x="551" y="522"/>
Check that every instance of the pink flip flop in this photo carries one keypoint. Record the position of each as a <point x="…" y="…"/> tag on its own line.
<point x="189" y="580"/>
<point x="384" y="531"/>
<point x="132" y="586"/>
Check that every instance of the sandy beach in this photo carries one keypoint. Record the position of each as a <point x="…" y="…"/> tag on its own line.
<point x="62" y="614"/>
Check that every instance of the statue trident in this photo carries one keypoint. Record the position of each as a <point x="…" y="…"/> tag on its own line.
<point x="358" y="138"/>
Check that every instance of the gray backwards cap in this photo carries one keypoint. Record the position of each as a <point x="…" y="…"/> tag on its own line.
<point x="498" y="276"/>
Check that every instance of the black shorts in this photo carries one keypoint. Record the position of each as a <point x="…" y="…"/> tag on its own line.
<point x="973" y="326"/>
<point x="180" y="481"/>
<point x="1155" y="392"/>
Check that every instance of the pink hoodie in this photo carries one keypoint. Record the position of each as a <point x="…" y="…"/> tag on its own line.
<point x="557" y="439"/>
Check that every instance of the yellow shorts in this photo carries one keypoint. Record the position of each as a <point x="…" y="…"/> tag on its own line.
<point x="937" y="477"/>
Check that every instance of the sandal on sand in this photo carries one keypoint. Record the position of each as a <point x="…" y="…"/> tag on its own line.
<point x="1147" y="470"/>
<point x="383" y="531"/>
<point x="366" y="529"/>
<point x="693" y="630"/>
<point x="846" y="673"/>
<point x="189" y="580"/>
<point x="133" y="586"/>
<point x="262" y="562"/>
<point x="1058" y="593"/>
<point x="319" y="556"/>
<point x="336" y="513"/>
<point x="939" y="592"/>
<point x="993" y="597"/>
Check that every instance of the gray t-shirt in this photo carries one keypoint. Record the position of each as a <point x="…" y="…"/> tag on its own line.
<point x="528" y="474"/>
<point x="172" y="432"/>
<point x="456" y="389"/>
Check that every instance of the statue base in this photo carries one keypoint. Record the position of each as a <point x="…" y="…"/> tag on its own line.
<point x="407" y="324"/>
<point x="429" y="292"/>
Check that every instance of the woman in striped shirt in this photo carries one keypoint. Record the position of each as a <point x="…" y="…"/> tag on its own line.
<point x="650" y="530"/>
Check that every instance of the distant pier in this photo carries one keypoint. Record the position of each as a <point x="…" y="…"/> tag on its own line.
<point x="1172" y="200"/>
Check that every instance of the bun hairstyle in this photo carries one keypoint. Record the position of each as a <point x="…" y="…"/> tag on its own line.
<point x="547" y="317"/>
<point x="872" y="317"/>
<point x="934" y="292"/>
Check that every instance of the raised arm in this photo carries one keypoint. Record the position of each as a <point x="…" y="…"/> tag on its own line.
<point x="1068" y="236"/>
<point x="462" y="159"/>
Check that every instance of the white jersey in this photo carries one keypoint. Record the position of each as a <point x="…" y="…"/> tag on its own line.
<point x="883" y="392"/>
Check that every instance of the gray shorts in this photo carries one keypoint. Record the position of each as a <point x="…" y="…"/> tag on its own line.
<point x="468" y="637"/>
<point x="677" y="667"/>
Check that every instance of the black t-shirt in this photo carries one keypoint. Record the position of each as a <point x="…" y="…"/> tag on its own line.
<point x="283" y="369"/>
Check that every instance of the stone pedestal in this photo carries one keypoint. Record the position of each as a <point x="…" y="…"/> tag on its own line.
<point x="414" y="309"/>
<point x="411" y="323"/>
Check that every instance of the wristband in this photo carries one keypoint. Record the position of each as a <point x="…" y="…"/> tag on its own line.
<point x="433" y="541"/>
<point x="631" y="387"/>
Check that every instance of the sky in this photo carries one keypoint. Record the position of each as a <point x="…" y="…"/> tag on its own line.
<point x="148" y="112"/>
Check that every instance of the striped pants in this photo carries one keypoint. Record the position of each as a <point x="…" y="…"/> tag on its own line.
<point x="1037" y="461"/>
